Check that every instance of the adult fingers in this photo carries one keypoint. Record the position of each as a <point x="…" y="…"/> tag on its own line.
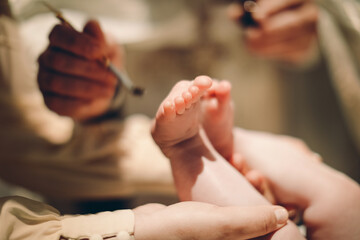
<point x="235" y="11"/>
<point x="282" y="45"/>
<point x="304" y="16"/>
<point x="111" y="50"/>
<point x="257" y="37"/>
<point x="93" y="29"/>
<point x="302" y="19"/>
<point x="80" y="44"/>
<point x="239" y="163"/>
<point x="292" y="50"/>
<point x="70" y="86"/>
<point x="256" y="179"/>
<point x="75" y="108"/>
<point x="261" y="184"/>
<point x="267" y="8"/>
<point x="65" y="106"/>
<point x="66" y="63"/>
<point x="255" y="221"/>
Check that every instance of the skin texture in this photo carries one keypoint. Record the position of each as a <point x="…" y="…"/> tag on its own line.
<point x="328" y="199"/>
<point x="200" y="173"/>
<point x="286" y="29"/>
<point x="297" y="177"/>
<point x="72" y="76"/>
<point x="195" y="220"/>
<point x="217" y="121"/>
<point x="285" y="165"/>
<point x="217" y="106"/>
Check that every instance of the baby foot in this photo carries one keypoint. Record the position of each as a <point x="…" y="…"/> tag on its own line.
<point x="218" y="117"/>
<point x="178" y="117"/>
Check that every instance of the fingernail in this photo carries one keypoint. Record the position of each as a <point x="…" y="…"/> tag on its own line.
<point x="281" y="216"/>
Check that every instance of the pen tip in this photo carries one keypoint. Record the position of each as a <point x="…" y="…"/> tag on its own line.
<point x="138" y="91"/>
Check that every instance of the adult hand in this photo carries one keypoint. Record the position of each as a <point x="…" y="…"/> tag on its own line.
<point x="255" y="177"/>
<point x="299" y="179"/>
<point x="71" y="76"/>
<point x="286" y="29"/>
<point x="195" y="220"/>
<point x="287" y="163"/>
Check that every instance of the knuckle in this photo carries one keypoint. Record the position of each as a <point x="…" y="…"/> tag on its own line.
<point x="55" y="33"/>
<point x="41" y="76"/>
<point x="110" y="80"/>
<point x="50" y="102"/>
<point x="93" y="49"/>
<point x="62" y="36"/>
<point x="42" y="80"/>
<point x="59" y="61"/>
<point x="42" y="58"/>
<point x="49" y="82"/>
<point x="50" y="59"/>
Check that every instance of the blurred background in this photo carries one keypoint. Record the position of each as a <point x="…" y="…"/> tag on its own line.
<point x="166" y="41"/>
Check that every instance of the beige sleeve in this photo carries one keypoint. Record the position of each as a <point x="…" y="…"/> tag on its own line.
<point x="22" y="218"/>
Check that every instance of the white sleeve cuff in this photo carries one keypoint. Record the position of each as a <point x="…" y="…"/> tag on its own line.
<point x="117" y="225"/>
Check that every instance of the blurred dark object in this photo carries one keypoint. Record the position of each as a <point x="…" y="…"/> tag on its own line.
<point x="249" y="6"/>
<point x="5" y="9"/>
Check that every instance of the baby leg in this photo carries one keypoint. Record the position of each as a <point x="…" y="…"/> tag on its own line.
<point x="200" y="173"/>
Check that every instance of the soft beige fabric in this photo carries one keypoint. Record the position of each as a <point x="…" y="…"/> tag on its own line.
<point x="50" y="155"/>
<point x="339" y="33"/>
<point x="24" y="219"/>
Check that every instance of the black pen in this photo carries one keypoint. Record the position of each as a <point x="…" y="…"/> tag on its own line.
<point x="121" y="77"/>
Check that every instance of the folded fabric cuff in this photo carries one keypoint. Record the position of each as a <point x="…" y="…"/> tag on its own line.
<point x="118" y="225"/>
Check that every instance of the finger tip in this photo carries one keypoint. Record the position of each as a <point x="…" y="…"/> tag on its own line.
<point x="93" y="28"/>
<point x="235" y="11"/>
<point x="281" y="215"/>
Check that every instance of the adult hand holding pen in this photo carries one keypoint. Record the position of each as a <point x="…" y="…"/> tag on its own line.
<point x="71" y="77"/>
<point x="285" y="31"/>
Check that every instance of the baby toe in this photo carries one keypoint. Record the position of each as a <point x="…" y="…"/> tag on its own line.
<point x="179" y="105"/>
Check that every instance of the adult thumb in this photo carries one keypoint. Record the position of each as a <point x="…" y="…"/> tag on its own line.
<point x="257" y="221"/>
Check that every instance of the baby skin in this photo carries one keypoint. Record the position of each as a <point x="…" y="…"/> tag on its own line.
<point x="200" y="172"/>
<point x="217" y="117"/>
<point x="296" y="178"/>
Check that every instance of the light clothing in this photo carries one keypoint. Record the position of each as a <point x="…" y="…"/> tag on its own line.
<point x="24" y="219"/>
<point x="49" y="154"/>
<point x="339" y="33"/>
